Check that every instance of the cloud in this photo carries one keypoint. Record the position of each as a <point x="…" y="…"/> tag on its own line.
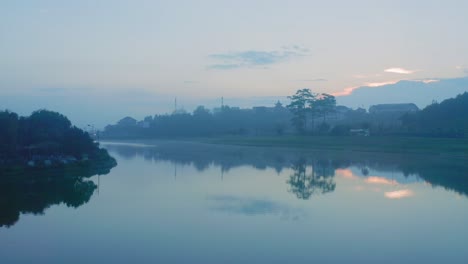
<point x="462" y="68"/>
<point x="377" y="84"/>
<point x="224" y="66"/>
<point x="363" y="76"/>
<point x="400" y="71"/>
<point x="426" y="80"/>
<point x="349" y="90"/>
<point x="191" y="82"/>
<point x="313" y="80"/>
<point x="345" y="91"/>
<point x="253" y="58"/>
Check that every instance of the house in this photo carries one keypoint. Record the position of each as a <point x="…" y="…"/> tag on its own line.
<point x="393" y="108"/>
<point x="127" y="121"/>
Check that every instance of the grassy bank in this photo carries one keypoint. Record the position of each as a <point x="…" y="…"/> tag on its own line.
<point x="452" y="146"/>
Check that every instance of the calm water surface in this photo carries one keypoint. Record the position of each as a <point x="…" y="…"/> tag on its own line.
<point x="192" y="203"/>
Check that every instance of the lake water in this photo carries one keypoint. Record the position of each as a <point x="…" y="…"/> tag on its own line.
<point x="191" y="203"/>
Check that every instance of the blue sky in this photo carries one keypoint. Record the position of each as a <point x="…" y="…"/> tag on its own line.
<point x="148" y="52"/>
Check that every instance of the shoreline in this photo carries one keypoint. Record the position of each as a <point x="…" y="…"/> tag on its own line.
<point x="100" y="164"/>
<point x="447" y="147"/>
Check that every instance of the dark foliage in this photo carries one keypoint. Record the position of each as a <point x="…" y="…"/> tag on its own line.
<point x="42" y="133"/>
<point x="446" y="119"/>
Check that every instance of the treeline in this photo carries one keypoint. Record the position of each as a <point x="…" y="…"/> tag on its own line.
<point x="307" y="113"/>
<point x="42" y="133"/>
<point x="446" y="119"/>
<point x="203" y="122"/>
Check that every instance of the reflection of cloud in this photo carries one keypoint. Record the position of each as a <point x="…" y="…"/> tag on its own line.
<point x="251" y="58"/>
<point x="345" y="173"/>
<point x="359" y="188"/>
<point x="399" y="194"/>
<point x="380" y="180"/>
<point x="253" y="206"/>
<point x="399" y="70"/>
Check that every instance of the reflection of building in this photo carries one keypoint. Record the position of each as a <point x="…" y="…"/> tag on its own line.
<point x="393" y="108"/>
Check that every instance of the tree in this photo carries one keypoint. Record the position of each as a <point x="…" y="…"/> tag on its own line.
<point x="201" y="111"/>
<point x="44" y="125"/>
<point x="324" y="105"/>
<point x="43" y="132"/>
<point x="8" y="132"/>
<point x="300" y="105"/>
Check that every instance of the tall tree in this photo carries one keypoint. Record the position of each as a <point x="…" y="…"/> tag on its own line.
<point x="324" y="105"/>
<point x="300" y="106"/>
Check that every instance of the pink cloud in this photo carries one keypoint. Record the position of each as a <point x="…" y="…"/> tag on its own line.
<point x="399" y="70"/>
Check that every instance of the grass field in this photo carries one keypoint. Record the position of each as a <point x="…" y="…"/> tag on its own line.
<point x="452" y="146"/>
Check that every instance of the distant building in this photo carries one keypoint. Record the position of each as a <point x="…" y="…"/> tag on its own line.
<point x="393" y="108"/>
<point x="144" y="124"/>
<point x="127" y="121"/>
<point x="260" y="109"/>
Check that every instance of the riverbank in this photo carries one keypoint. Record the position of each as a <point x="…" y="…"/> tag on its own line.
<point x="442" y="146"/>
<point x="98" y="163"/>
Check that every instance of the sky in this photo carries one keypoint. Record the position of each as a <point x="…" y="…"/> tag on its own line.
<point x="100" y="59"/>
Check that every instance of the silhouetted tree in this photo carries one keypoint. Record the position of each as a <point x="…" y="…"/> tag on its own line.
<point x="300" y="106"/>
<point x="9" y="125"/>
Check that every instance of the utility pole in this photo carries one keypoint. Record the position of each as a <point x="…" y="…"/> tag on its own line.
<point x="175" y="104"/>
<point x="222" y="102"/>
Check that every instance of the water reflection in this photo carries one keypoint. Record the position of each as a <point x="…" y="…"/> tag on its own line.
<point x="319" y="181"/>
<point x="35" y="192"/>
<point x="253" y="206"/>
<point x="313" y="172"/>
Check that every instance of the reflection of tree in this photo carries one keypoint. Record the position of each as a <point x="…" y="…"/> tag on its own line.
<point x="36" y="191"/>
<point x="303" y="185"/>
<point x="446" y="172"/>
<point x="25" y="197"/>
